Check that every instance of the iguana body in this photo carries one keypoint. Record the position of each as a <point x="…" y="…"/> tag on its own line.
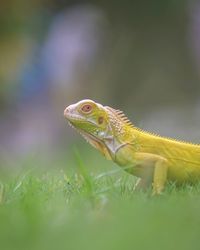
<point x="152" y="158"/>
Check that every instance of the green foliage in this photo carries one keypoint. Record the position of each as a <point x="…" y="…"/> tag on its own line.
<point x="58" y="210"/>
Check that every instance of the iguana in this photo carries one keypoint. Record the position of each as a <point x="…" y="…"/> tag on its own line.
<point x="152" y="158"/>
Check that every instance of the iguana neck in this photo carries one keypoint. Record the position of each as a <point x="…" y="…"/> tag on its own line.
<point x="120" y="132"/>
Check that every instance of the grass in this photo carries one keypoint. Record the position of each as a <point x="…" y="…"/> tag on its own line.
<point x="84" y="209"/>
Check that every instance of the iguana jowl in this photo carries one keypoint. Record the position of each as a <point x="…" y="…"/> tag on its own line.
<point x="152" y="158"/>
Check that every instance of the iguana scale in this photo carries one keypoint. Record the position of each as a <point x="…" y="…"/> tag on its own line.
<point x="152" y="158"/>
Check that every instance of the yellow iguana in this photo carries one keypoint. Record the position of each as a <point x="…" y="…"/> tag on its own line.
<point x="152" y="158"/>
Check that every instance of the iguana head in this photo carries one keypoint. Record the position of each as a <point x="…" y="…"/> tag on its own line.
<point x="101" y="126"/>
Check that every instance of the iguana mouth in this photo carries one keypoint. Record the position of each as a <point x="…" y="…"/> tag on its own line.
<point x="74" y="117"/>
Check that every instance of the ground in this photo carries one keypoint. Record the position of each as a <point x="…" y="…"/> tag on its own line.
<point x="82" y="208"/>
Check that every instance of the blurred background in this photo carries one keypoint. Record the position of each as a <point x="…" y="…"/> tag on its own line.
<point x="142" y="57"/>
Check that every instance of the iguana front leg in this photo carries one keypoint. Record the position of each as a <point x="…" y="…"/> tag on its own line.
<point x="160" y="176"/>
<point x="150" y="168"/>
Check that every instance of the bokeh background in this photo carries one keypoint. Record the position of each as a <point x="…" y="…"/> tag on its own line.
<point x="142" y="57"/>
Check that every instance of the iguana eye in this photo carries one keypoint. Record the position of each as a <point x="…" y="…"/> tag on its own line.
<point x="87" y="108"/>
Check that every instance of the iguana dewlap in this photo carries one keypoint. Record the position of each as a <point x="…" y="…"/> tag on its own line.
<point x="152" y="158"/>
